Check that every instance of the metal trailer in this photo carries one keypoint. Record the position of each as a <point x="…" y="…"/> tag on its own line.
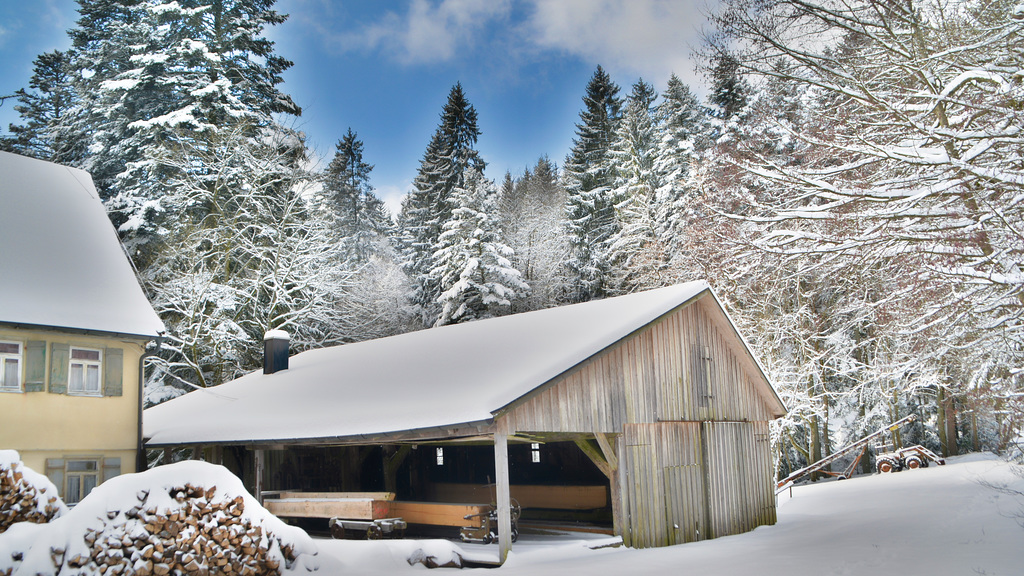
<point x="893" y="460"/>
<point x="374" y="529"/>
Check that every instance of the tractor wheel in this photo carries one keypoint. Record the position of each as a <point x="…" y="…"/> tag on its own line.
<point x="886" y="465"/>
<point x="913" y="462"/>
<point x="374" y="533"/>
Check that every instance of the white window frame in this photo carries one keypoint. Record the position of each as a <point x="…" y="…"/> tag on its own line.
<point x="85" y="365"/>
<point x="6" y="357"/>
<point x="81" y="478"/>
<point x="535" y="452"/>
<point x="439" y="456"/>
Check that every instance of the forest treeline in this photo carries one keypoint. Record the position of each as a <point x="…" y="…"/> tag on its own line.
<point x="852" y="187"/>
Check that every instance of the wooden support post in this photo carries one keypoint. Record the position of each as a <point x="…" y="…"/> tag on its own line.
<point x="168" y="455"/>
<point x="258" y="487"/>
<point x="503" y="497"/>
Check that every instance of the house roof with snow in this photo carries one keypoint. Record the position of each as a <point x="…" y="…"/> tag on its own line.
<point x="61" y="263"/>
<point x="438" y="378"/>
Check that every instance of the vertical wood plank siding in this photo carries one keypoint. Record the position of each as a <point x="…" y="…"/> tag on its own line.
<point x="673" y="493"/>
<point x="689" y="404"/>
<point x="649" y="377"/>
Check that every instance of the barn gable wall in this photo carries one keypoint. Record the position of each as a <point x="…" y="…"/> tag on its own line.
<point x="688" y="366"/>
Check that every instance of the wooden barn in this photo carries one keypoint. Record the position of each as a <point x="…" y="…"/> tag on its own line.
<point x="646" y="413"/>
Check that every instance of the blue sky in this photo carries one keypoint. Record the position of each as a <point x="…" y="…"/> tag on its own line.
<point x="384" y="68"/>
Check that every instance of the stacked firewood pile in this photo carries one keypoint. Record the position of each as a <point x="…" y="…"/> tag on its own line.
<point x="22" y="500"/>
<point x="198" y="535"/>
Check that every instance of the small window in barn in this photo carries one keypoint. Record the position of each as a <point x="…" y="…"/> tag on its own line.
<point x="535" y="452"/>
<point x="440" y="456"/>
<point x="10" y="366"/>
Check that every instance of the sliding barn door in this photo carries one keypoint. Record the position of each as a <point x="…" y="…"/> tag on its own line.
<point x="662" y="484"/>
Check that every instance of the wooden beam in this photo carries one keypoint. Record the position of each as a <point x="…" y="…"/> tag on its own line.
<point x="437" y="514"/>
<point x="597" y="457"/>
<point x="392" y="460"/>
<point x="607" y="449"/>
<point x="348" y="508"/>
<point x="503" y="496"/>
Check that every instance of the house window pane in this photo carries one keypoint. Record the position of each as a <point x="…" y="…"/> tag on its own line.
<point x="535" y="452"/>
<point x="80" y="354"/>
<point x="12" y="373"/>
<point x="10" y="365"/>
<point x="88" y="483"/>
<point x="440" y="456"/>
<point x="84" y="373"/>
<point x="92" y="378"/>
<point x="76" y="384"/>
<point x="73" y="494"/>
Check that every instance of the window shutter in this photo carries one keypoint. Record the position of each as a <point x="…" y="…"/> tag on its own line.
<point x="113" y="371"/>
<point x="55" y="472"/>
<point x="35" y="366"/>
<point x="60" y="358"/>
<point x="111" y="468"/>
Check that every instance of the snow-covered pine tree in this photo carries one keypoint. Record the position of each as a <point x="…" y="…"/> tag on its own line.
<point x="362" y="225"/>
<point x="588" y="178"/>
<point x="636" y="255"/>
<point x="156" y="75"/>
<point x="473" y="267"/>
<point x="50" y="98"/>
<point x="450" y="153"/>
<point x="684" y="132"/>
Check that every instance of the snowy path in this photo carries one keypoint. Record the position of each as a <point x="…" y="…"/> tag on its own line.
<point x="934" y="521"/>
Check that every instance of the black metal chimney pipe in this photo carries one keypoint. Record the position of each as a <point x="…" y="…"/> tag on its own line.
<point x="275" y="351"/>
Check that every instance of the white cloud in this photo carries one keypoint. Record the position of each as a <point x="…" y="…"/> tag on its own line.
<point x="393" y="196"/>
<point x="428" y="32"/>
<point x="650" y="38"/>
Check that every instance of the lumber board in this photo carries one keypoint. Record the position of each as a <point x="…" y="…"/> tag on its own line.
<point x="338" y="495"/>
<point x="528" y="495"/>
<point x="437" y="514"/>
<point x="350" y="508"/>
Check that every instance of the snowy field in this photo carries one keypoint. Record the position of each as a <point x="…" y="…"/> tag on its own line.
<point x="965" y="518"/>
<point x="942" y="520"/>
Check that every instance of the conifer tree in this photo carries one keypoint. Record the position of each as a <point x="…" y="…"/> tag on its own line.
<point x="154" y="75"/>
<point x="361" y="219"/>
<point x="633" y="251"/>
<point x="588" y="178"/>
<point x="472" y="265"/>
<point x="44" y="108"/>
<point x="449" y="155"/>
<point x="684" y="133"/>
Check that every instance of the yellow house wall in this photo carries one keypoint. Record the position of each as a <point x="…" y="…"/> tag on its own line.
<point x="41" y="425"/>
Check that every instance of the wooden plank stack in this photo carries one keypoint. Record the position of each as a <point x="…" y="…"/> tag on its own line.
<point x="19" y="500"/>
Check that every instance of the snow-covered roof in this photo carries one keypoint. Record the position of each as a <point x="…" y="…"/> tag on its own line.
<point x="441" y="377"/>
<point x="61" y="263"/>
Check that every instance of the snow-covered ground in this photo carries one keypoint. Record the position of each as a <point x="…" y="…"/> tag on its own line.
<point x="965" y="518"/>
<point x="935" y="521"/>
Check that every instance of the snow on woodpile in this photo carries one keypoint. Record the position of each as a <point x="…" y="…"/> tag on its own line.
<point x="190" y="518"/>
<point x="25" y="495"/>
